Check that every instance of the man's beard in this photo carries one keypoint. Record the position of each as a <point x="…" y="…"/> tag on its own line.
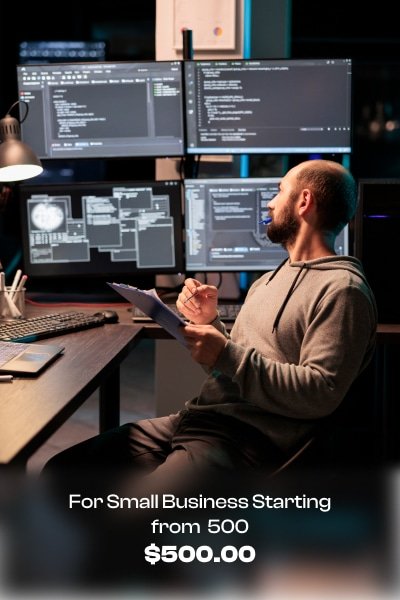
<point x="285" y="231"/>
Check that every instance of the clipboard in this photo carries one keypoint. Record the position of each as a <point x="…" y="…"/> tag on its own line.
<point x="151" y="304"/>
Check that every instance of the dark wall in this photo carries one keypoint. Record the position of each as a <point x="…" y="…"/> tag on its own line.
<point x="127" y="27"/>
<point x="370" y="36"/>
<point x="318" y="29"/>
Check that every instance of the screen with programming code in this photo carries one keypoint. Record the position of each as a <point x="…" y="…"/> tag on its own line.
<point x="268" y="106"/>
<point x="105" y="110"/>
<point x="102" y="229"/>
<point x="223" y="226"/>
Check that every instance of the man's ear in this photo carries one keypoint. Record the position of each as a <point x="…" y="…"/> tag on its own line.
<point x="306" y="202"/>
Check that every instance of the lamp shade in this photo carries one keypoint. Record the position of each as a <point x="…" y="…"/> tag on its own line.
<point x="17" y="160"/>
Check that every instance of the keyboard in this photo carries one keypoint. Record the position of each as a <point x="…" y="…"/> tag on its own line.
<point x="10" y="351"/>
<point x="47" y="326"/>
<point x="227" y="312"/>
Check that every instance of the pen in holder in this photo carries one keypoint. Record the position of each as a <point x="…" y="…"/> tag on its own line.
<point x="12" y="303"/>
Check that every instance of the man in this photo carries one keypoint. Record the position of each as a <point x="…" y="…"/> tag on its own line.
<point x="304" y="333"/>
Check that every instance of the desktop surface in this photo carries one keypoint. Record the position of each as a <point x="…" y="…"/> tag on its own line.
<point x="34" y="408"/>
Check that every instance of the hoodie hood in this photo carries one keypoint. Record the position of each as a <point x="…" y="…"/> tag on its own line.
<point x="327" y="263"/>
<point x="348" y="263"/>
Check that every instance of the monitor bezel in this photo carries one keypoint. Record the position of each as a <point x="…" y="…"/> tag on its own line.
<point x="136" y="149"/>
<point x="239" y="181"/>
<point x="232" y="149"/>
<point x="80" y="270"/>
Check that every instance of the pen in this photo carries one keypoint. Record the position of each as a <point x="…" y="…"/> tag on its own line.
<point x="189" y="298"/>
<point x="15" y="283"/>
<point x="6" y="378"/>
<point x="21" y="283"/>
<point x="265" y="221"/>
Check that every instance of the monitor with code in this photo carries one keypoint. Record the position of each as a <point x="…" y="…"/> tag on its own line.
<point x="103" y="109"/>
<point x="268" y="106"/>
<point x="223" y="226"/>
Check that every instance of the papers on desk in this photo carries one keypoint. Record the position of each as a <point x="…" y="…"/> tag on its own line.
<point x="151" y="304"/>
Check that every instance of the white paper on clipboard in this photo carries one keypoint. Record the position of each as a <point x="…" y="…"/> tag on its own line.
<point x="151" y="304"/>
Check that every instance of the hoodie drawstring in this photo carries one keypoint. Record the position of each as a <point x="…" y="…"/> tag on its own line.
<point x="282" y="308"/>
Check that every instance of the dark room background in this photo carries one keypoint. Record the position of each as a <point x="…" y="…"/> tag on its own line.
<point x="318" y="29"/>
<point x="338" y="29"/>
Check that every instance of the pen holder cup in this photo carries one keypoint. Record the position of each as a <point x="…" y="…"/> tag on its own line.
<point x="12" y="304"/>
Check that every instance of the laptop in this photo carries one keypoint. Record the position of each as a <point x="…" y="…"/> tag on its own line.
<point x="22" y="358"/>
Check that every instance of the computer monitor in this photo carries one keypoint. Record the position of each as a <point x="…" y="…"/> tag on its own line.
<point x="222" y="225"/>
<point x="375" y="235"/>
<point x="268" y="106"/>
<point x="103" y="109"/>
<point x="102" y="229"/>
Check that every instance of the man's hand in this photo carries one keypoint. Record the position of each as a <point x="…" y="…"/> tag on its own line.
<point x="198" y="302"/>
<point x="205" y="343"/>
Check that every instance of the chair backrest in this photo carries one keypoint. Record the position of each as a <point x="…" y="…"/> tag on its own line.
<point x="351" y="437"/>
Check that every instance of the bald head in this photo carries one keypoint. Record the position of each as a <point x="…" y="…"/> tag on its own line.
<point x="334" y="190"/>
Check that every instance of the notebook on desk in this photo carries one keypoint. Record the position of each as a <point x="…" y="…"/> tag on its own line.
<point x="20" y="358"/>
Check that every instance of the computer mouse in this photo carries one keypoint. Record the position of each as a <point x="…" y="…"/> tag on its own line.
<point x="110" y="316"/>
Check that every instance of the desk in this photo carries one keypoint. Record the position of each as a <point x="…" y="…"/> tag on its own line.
<point x="388" y="333"/>
<point x="32" y="409"/>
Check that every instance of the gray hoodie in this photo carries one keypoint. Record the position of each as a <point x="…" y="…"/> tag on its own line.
<point x="304" y="333"/>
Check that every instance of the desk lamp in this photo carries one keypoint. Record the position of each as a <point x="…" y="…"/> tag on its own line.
<point x="17" y="160"/>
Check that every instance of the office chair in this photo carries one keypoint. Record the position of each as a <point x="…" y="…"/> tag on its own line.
<point x="352" y="437"/>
